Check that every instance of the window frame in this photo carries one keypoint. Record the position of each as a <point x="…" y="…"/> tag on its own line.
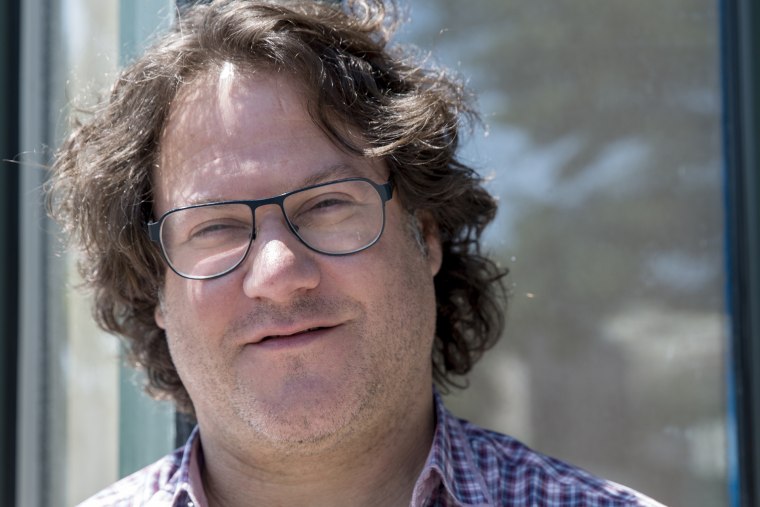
<point x="9" y="231"/>
<point x="740" y="34"/>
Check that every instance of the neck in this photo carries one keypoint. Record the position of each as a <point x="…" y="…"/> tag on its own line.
<point x="377" y="468"/>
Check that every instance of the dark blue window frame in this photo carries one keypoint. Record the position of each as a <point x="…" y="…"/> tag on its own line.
<point x="9" y="233"/>
<point x="740" y="34"/>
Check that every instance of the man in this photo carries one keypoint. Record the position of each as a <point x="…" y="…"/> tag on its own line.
<point x="273" y="216"/>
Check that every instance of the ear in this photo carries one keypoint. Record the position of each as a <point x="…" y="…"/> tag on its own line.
<point x="158" y="315"/>
<point x="432" y="237"/>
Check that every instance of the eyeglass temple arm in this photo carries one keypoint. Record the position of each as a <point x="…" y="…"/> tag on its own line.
<point x="154" y="231"/>
<point x="385" y="190"/>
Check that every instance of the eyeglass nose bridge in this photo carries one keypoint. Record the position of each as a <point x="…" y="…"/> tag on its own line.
<point x="254" y="205"/>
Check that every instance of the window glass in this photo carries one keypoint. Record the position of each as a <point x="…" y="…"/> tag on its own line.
<point x="90" y="31"/>
<point x="111" y="428"/>
<point x="603" y="141"/>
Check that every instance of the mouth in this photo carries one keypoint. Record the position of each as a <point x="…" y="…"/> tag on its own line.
<point x="293" y="335"/>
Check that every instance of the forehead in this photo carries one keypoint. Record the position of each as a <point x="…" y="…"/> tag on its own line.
<point x="219" y="110"/>
<point x="235" y="135"/>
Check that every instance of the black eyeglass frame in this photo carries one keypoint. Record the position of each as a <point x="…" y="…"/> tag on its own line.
<point x="385" y="190"/>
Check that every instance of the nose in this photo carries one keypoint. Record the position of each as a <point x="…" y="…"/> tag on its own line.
<point x="278" y="266"/>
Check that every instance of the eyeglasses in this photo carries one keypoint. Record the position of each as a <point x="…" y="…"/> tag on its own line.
<point x="209" y="240"/>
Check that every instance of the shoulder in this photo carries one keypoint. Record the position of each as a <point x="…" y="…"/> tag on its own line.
<point x="510" y="470"/>
<point x="149" y="486"/>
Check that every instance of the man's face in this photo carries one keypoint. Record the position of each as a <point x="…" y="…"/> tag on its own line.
<point x="293" y="345"/>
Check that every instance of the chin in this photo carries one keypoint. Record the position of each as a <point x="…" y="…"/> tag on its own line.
<point x="302" y="422"/>
<point x="299" y="434"/>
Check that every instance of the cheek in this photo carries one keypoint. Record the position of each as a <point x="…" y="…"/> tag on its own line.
<point x="192" y="311"/>
<point x="194" y="325"/>
<point x="401" y="281"/>
<point x="408" y="318"/>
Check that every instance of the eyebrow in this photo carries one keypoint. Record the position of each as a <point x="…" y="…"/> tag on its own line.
<point x="332" y="172"/>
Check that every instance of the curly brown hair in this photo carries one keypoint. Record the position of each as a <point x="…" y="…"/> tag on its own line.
<point x="410" y="115"/>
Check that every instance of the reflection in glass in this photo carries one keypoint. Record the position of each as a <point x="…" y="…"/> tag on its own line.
<point x="603" y="141"/>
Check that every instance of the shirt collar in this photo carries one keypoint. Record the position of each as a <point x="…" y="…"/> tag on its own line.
<point x="190" y="482"/>
<point x="450" y="469"/>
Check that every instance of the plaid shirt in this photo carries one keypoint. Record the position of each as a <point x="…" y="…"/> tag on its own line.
<point x="468" y="466"/>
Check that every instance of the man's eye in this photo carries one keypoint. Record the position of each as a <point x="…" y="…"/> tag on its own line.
<point x="208" y="229"/>
<point x="328" y="202"/>
<point x="219" y="230"/>
<point x="331" y="202"/>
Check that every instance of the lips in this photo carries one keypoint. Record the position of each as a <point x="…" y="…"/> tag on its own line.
<point x="292" y="335"/>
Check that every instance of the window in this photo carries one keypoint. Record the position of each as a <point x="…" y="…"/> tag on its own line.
<point x="620" y="137"/>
